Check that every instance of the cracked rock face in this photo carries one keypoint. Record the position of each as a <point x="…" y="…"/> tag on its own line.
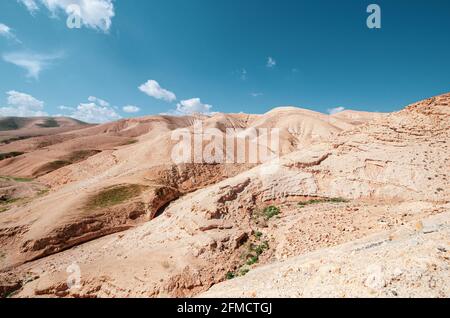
<point x="356" y="200"/>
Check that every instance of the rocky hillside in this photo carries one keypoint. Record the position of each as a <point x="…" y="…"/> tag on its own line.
<point x="351" y="191"/>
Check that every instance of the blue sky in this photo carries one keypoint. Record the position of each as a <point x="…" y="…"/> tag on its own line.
<point x="219" y="55"/>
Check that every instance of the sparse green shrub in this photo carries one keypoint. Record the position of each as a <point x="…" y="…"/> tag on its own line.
<point x="43" y="192"/>
<point x="259" y="249"/>
<point x="252" y="260"/>
<point x="17" y="179"/>
<point x="244" y="271"/>
<point x="271" y="211"/>
<point x="230" y="275"/>
<point x="319" y="201"/>
<point x="8" y="200"/>
<point x="22" y="179"/>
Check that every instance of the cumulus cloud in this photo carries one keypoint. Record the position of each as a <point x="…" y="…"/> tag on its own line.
<point x="96" y="111"/>
<point x="22" y="105"/>
<point x="271" y="63"/>
<point x="184" y="107"/>
<point x="193" y="105"/>
<point x="336" y="110"/>
<point x="131" y="109"/>
<point x="153" y="89"/>
<point x="94" y="14"/>
<point x="31" y="62"/>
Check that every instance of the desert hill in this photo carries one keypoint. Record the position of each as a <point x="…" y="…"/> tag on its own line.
<point x="14" y="128"/>
<point x="139" y="225"/>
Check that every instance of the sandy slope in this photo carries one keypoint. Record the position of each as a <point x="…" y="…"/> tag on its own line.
<point x="58" y="220"/>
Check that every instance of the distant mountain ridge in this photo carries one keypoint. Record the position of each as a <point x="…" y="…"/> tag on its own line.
<point x="18" y="128"/>
<point x="16" y="123"/>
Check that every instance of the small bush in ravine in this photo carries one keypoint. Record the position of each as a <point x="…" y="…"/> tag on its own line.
<point x="271" y="211"/>
<point x="319" y="201"/>
<point x="230" y="275"/>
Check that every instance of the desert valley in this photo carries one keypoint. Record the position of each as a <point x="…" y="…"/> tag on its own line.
<point x="357" y="204"/>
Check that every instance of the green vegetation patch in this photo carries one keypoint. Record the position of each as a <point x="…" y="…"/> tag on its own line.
<point x="5" y="203"/>
<point x="114" y="195"/>
<point x="230" y="275"/>
<point x="265" y="214"/>
<point x="3" y="209"/>
<point x="271" y="211"/>
<point x="319" y="201"/>
<point x="8" y="200"/>
<point x="250" y="256"/>
<point x="43" y="192"/>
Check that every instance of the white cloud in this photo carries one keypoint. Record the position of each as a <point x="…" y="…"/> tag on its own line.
<point x="99" y="101"/>
<point x="67" y="108"/>
<point x="6" y="32"/>
<point x="334" y="111"/>
<point x="22" y="105"/>
<point x="271" y="63"/>
<point x="96" y="111"/>
<point x="193" y="105"/>
<point x="130" y="109"/>
<point x="30" y="5"/>
<point x="94" y="14"/>
<point x="256" y="94"/>
<point x="153" y="89"/>
<point x="31" y="62"/>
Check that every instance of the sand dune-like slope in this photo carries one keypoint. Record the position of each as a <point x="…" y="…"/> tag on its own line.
<point x="76" y="166"/>
<point x="188" y="227"/>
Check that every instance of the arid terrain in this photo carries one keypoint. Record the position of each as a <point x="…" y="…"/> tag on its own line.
<point x="357" y="205"/>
